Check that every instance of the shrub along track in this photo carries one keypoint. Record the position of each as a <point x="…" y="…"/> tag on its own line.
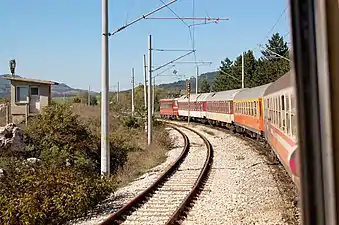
<point x="167" y="200"/>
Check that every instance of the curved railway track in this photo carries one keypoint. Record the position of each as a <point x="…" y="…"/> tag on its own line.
<point x="169" y="198"/>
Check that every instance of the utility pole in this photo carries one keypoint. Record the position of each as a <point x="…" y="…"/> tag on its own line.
<point x="105" y="153"/>
<point x="196" y="80"/>
<point x="188" y="93"/>
<point x="132" y="91"/>
<point x="145" y="81"/>
<point x="118" y="92"/>
<point x="149" y="107"/>
<point x="153" y="96"/>
<point x="89" y="96"/>
<point x="242" y="71"/>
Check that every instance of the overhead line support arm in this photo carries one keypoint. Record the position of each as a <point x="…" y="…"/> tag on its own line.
<point x="174" y="60"/>
<point x="142" y="17"/>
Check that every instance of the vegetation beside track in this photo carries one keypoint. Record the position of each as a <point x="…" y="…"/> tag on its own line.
<point x="66" y="183"/>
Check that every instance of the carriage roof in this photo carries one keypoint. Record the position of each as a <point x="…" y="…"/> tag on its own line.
<point x="255" y="92"/>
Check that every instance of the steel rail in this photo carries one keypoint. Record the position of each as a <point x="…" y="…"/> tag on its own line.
<point x="114" y="218"/>
<point x="187" y="203"/>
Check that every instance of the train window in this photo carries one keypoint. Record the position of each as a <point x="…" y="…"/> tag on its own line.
<point x="293" y="116"/>
<point x="275" y="110"/>
<point x="252" y="108"/>
<point x="268" y="108"/>
<point x="255" y="109"/>
<point x="287" y="102"/>
<point x="272" y="110"/>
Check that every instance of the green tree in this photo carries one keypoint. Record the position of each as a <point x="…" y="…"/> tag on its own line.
<point x="250" y="64"/>
<point x="271" y="65"/>
<point x="222" y="80"/>
<point x="205" y="86"/>
<point x="276" y="45"/>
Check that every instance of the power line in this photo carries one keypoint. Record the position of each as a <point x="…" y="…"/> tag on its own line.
<point x="171" y="50"/>
<point x="189" y="29"/>
<point x="140" y="18"/>
<point x="275" y="24"/>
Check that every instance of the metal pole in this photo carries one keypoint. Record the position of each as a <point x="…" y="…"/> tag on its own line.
<point x="196" y="80"/>
<point x="153" y="96"/>
<point x="189" y="108"/>
<point x="145" y="81"/>
<point x="105" y="154"/>
<point x="132" y="91"/>
<point x="242" y="71"/>
<point x="89" y="96"/>
<point x="118" y="92"/>
<point x="149" y="108"/>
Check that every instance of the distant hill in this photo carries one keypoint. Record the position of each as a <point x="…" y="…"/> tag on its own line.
<point x="182" y="83"/>
<point x="57" y="90"/>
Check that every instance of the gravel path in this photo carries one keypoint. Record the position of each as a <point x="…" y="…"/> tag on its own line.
<point x="242" y="187"/>
<point x="127" y="193"/>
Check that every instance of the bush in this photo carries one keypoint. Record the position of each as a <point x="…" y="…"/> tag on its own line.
<point x="46" y="195"/>
<point x="76" y="100"/>
<point x="131" y="122"/>
<point x="58" y="135"/>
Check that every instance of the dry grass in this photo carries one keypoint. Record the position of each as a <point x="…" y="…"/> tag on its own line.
<point x="141" y="158"/>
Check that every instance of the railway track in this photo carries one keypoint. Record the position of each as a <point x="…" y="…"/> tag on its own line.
<point x="169" y="198"/>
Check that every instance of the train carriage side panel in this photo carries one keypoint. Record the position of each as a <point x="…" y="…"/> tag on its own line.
<point x="166" y="108"/>
<point x="248" y="109"/>
<point x="175" y="107"/>
<point x="183" y="106"/>
<point x="280" y="122"/>
<point x="202" y="104"/>
<point x="219" y="106"/>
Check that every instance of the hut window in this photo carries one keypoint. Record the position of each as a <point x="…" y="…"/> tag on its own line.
<point x="21" y="93"/>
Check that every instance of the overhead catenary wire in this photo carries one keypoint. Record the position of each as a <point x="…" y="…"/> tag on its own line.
<point x="142" y="17"/>
<point x="186" y="24"/>
<point x="171" y="50"/>
<point x="173" y="61"/>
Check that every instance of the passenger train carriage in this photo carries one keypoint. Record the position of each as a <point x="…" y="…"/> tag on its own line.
<point x="280" y="121"/>
<point x="266" y="111"/>
<point x="220" y="107"/>
<point x="248" y="113"/>
<point x="197" y="105"/>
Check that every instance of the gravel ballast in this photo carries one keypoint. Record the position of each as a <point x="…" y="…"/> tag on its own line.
<point x="243" y="187"/>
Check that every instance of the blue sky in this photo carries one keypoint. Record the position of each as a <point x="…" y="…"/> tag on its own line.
<point x="61" y="40"/>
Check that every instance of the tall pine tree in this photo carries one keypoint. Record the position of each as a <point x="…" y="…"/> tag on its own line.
<point x="221" y="81"/>
<point x="204" y="86"/>
<point x="271" y="66"/>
